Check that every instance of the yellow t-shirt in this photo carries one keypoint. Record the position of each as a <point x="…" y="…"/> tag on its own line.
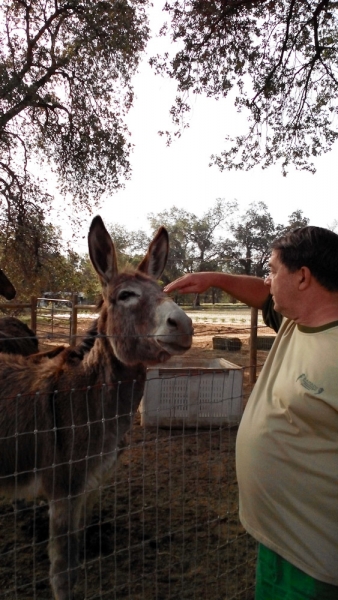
<point x="287" y="451"/>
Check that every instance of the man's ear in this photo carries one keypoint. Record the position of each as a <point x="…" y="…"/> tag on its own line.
<point x="305" y="277"/>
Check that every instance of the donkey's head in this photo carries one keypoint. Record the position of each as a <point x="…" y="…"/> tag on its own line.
<point x="6" y="288"/>
<point x="142" y="323"/>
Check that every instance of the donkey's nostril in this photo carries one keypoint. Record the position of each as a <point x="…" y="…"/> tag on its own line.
<point x="172" y="322"/>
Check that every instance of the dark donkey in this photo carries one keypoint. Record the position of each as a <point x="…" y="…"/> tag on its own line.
<point x="15" y="336"/>
<point x="7" y="289"/>
<point x="62" y="418"/>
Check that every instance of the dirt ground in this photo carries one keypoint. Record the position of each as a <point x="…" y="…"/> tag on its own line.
<point x="166" y="526"/>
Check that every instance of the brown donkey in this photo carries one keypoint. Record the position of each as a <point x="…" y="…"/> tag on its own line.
<point x="17" y="338"/>
<point x="7" y="289"/>
<point x="62" y="418"/>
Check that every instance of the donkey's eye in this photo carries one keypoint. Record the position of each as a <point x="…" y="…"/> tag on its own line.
<point x="125" y="294"/>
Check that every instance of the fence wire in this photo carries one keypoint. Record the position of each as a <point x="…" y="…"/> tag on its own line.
<point x="165" y="522"/>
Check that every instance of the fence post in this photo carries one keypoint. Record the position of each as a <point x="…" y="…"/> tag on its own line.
<point x="73" y="321"/>
<point x="34" y="308"/>
<point x="253" y="345"/>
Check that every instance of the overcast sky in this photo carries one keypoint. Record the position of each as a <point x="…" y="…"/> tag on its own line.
<point x="179" y="175"/>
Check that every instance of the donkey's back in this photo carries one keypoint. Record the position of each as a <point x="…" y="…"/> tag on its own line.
<point x="16" y="337"/>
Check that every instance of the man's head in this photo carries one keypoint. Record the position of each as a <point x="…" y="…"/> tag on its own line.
<point x="303" y="277"/>
<point x="313" y="247"/>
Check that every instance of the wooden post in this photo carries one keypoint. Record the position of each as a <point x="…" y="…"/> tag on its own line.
<point x="253" y="346"/>
<point x="73" y="321"/>
<point x="34" y="308"/>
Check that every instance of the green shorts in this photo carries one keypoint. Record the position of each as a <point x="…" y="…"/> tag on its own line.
<point x="277" y="579"/>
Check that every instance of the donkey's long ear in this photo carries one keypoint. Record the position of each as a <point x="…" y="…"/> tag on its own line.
<point x="101" y="250"/>
<point x="156" y="258"/>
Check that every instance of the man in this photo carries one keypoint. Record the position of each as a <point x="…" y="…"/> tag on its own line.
<point x="287" y="443"/>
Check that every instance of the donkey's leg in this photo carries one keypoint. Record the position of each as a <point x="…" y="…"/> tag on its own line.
<point x="64" y="518"/>
<point x="103" y="478"/>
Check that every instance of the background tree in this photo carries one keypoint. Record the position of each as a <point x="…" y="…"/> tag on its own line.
<point x="296" y="219"/>
<point x="38" y="261"/>
<point x="253" y="232"/>
<point x="194" y="241"/>
<point x="131" y="246"/>
<point x="85" y="277"/>
<point x="34" y="256"/>
<point x="279" y="57"/>
<point x="178" y="222"/>
<point x="23" y="248"/>
<point x="65" y="87"/>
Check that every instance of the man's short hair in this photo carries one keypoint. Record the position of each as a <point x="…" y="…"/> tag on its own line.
<point x="312" y="247"/>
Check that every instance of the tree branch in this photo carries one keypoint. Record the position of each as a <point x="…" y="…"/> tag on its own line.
<point x="31" y="44"/>
<point x="281" y="56"/>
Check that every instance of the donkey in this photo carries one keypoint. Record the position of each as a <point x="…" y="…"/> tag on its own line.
<point x="7" y="289"/>
<point x="63" y="418"/>
<point x="16" y="337"/>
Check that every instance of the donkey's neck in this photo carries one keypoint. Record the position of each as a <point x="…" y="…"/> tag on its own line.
<point x="102" y="360"/>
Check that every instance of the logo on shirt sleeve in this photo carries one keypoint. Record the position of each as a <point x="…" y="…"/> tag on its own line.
<point x="308" y="385"/>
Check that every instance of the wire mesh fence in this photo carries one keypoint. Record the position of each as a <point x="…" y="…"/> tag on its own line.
<point x="165" y="522"/>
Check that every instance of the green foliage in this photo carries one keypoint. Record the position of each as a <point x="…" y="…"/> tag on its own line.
<point x="296" y="219"/>
<point x="65" y="87"/>
<point x="253" y="233"/>
<point x="130" y="246"/>
<point x="36" y="261"/>
<point x="199" y="243"/>
<point x="279" y="58"/>
<point x="82" y="277"/>
<point x="194" y="241"/>
<point x="31" y="255"/>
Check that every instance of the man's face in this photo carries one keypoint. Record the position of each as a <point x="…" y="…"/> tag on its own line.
<point x="283" y="286"/>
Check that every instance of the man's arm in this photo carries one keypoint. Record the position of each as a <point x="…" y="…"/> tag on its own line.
<point x="247" y="289"/>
